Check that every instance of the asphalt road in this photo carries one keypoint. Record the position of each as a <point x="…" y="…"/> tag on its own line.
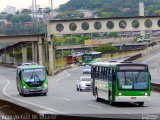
<point x="63" y="98"/>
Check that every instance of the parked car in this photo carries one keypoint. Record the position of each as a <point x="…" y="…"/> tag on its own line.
<point x="84" y="83"/>
<point x="87" y="69"/>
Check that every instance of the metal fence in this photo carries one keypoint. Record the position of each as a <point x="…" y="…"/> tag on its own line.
<point x="22" y="28"/>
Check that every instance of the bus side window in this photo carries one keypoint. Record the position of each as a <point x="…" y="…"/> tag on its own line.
<point x="93" y="72"/>
<point x="113" y="75"/>
<point x="104" y="73"/>
<point x="110" y="74"/>
<point x="97" y="73"/>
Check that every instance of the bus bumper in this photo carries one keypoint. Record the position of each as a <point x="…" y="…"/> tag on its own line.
<point x="35" y="91"/>
<point x="132" y="98"/>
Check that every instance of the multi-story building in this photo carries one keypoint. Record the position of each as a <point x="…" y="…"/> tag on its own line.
<point x="10" y="9"/>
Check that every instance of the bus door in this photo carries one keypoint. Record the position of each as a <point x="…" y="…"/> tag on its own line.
<point x="112" y="83"/>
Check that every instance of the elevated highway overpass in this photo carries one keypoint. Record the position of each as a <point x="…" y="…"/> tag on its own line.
<point x="82" y="26"/>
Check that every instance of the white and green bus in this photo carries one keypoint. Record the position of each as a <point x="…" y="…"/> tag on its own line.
<point x="32" y="78"/>
<point x="121" y="82"/>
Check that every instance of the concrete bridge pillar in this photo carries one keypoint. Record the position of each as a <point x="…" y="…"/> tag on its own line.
<point x="33" y="52"/>
<point x="51" y="55"/>
<point x="14" y="57"/>
<point x="36" y="51"/>
<point x="7" y="58"/>
<point x="40" y="51"/>
<point x="24" y="54"/>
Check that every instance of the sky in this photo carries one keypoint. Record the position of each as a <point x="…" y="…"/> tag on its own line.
<point x="26" y="3"/>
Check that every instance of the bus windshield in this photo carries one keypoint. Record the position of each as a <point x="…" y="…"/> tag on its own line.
<point x="86" y="58"/>
<point x="34" y="75"/>
<point x="133" y="80"/>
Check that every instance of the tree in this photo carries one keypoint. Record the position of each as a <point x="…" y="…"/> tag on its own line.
<point x="26" y="11"/>
<point x="15" y="19"/>
<point x="113" y="35"/>
<point x="25" y="18"/>
<point x="9" y="16"/>
<point x="106" y="49"/>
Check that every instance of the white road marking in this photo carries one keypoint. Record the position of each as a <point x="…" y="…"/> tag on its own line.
<point x="67" y="99"/>
<point x="146" y="60"/>
<point x="94" y="106"/>
<point x="75" y="68"/>
<point x="26" y="102"/>
<point x="57" y="81"/>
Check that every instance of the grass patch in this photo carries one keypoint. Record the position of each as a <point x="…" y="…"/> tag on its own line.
<point x="60" y="63"/>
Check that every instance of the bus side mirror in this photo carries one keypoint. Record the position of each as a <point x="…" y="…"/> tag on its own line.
<point x="150" y="76"/>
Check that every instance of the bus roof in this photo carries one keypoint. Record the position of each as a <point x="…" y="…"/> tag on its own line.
<point x="94" y="52"/>
<point x="30" y="67"/>
<point x="114" y="63"/>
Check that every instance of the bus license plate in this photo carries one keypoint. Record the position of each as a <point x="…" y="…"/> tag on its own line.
<point x="133" y="98"/>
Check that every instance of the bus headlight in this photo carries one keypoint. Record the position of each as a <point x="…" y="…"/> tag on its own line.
<point x="45" y="85"/>
<point x="146" y="94"/>
<point x="24" y="87"/>
<point x="120" y="94"/>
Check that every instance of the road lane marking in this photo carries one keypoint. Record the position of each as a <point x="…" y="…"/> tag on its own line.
<point x="57" y="81"/>
<point x="94" y="106"/>
<point x="75" y="68"/>
<point x="148" y="59"/>
<point x="26" y="102"/>
<point x="67" y="99"/>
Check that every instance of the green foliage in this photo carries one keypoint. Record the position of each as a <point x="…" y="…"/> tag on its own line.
<point x="71" y="40"/>
<point x="15" y="19"/>
<point x="106" y="49"/>
<point x="21" y="18"/>
<point x="9" y="16"/>
<point x="111" y="8"/>
<point x="113" y="35"/>
<point x="26" y="11"/>
<point x="25" y="18"/>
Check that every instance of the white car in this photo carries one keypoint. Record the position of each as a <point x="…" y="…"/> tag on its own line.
<point x="87" y="69"/>
<point x="84" y="83"/>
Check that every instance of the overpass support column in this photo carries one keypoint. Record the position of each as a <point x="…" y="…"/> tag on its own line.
<point x="7" y="58"/>
<point x="40" y="51"/>
<point x="14" y="57"/>
<point x="24" y="54"/>
<point x="33" y="52"/>
<point x="51" y="55"/>
<point x="36" y="52"/>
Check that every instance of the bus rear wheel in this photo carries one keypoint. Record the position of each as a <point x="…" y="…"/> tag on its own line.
<point x="110" y="99"/>
<point x="96" y="95"/>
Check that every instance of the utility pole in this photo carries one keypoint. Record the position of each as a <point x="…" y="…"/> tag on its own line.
<point x="52" y="8"/>
<point x="33" y="8"/>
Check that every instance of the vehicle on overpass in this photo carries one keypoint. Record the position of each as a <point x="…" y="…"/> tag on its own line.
<point x="88" y="58"/>
<point x="32" y="79"/>
<point x="121" y="82"/>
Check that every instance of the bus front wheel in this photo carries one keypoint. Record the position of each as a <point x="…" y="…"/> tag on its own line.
<point x="141" y="103"/>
